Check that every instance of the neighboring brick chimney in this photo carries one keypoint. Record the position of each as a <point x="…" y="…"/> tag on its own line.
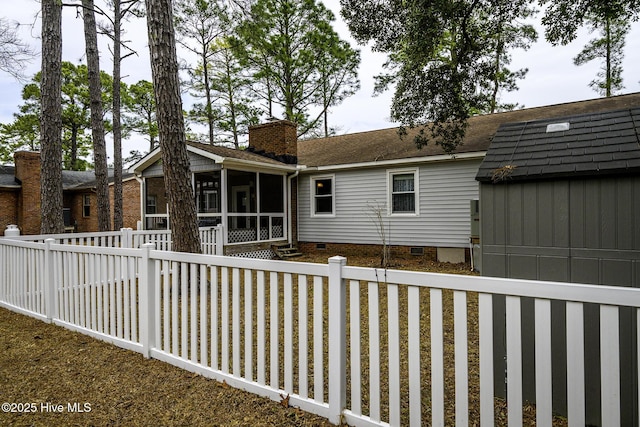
<point x="28" y="173"/>
<point x="277" y="139"/>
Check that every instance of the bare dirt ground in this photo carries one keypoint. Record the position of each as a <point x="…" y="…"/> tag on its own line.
<point x="417" y="263"/>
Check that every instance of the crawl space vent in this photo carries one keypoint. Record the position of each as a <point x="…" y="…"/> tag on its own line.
<point x="558" y="127"/>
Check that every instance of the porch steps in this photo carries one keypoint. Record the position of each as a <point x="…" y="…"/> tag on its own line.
<point x="286" y="251"/>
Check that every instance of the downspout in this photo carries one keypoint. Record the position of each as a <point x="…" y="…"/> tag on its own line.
<point x="289" y="207"/>
<point x="143" y="198"/>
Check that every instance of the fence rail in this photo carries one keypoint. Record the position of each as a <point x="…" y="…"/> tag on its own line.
<point x="367" y="346"/>
<point x="211" y="239"/>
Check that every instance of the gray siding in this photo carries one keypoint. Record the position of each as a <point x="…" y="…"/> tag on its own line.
<point x="580" y="230"/>
<point x="445" y="190"/>
<point x="198" y="164"/>
<point x="153" y="170"/>
<point x="202" y="164"/>
<point x="585" y="231"/>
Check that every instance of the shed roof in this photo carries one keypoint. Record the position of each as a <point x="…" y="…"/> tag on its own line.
<point x="593" y="144"/>
<point x="386" y="144"/>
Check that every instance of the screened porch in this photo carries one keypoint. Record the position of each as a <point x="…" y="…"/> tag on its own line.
<point x="251" y="205"/>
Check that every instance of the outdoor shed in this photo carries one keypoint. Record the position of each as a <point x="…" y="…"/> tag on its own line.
<point x="559" y="201"/>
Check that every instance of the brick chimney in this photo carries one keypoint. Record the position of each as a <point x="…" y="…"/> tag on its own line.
<point x="28" y="173"/>
<point x="276" y="138"/>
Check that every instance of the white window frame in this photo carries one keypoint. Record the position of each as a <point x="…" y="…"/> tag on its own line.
<point x="416" y="191"/>
<point x="312" y="189"/>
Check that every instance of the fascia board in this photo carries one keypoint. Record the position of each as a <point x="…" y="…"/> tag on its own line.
<point x="400" y="162"/>
<point x="252" y="165"/>
<point x="145" y="162"/>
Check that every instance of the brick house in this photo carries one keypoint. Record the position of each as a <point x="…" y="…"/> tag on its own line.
<point x="20" y="197"/>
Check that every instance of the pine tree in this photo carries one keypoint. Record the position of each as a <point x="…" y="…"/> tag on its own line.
<point x="285" y="44"/>
<point x="199" y="23"/>
<point x="175" y="161"/>
<point x="51" y="119"/>
<point x="609" y="48"/>
<point x="140" y="105"/>
<point x="97" y="126"/>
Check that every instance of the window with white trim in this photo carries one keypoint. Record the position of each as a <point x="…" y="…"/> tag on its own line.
<point x="322" y="194"/>
<point x="403" y="188"/>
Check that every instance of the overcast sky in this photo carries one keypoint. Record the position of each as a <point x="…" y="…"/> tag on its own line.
<point x="552" y="76"/>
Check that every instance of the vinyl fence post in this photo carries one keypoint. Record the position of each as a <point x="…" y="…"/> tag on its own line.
<point x="219" y="237"/>
<point x="126" y="238"/>
<point x="337" y="339"/>
<point x="49" y="284"/>
<point x="147" y="300"/>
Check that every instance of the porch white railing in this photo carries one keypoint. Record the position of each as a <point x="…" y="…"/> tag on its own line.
<point x="366" y="346"/>
<point x="211" y="239"/>
<point x="241" y="227"/>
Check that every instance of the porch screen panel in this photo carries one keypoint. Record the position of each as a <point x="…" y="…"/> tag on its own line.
<point x="241" y="191"/>
<point x="271" y="193"/>
<point x="208" y="192"/>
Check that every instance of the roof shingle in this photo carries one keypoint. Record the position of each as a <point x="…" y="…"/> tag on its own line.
<point x="386" y="144"/>
<point x="598" y="143"/>
<point x="232" y="153"/>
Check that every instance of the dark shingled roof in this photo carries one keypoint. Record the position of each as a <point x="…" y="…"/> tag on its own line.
<point x="71" y="180"/>
<point x="82" y="180"/>
<point x="385" y="144"/>
<point x="232" y="153"/>
<point x="595" y="144"/>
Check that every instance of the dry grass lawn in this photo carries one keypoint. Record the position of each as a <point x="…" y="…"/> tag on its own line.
<point x="41" y="363"/>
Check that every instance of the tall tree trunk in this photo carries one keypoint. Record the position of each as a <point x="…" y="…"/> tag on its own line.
<point x="73" y="162"/>
<point x="152" y="139"/>
<point x="232" y="107"/>
<point x="608" y="82"/>
<point x="51" y="119"/>
<point x="175" y="161"/>
<point x="97" y="126"/>
<point x="118" y="221"/>
<point x="325" y="105"/>
<point x="207" y="90"/>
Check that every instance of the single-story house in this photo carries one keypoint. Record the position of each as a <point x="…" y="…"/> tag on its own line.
<point x="560" y="201"/>
<point x="20" y="197"/>
<point x="248" y="191"/>
<point x="334" y="193"/>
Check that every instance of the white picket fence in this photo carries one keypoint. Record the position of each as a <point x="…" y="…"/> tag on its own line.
<point x="211" y="239"/>
<point x="364" y="346"/>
